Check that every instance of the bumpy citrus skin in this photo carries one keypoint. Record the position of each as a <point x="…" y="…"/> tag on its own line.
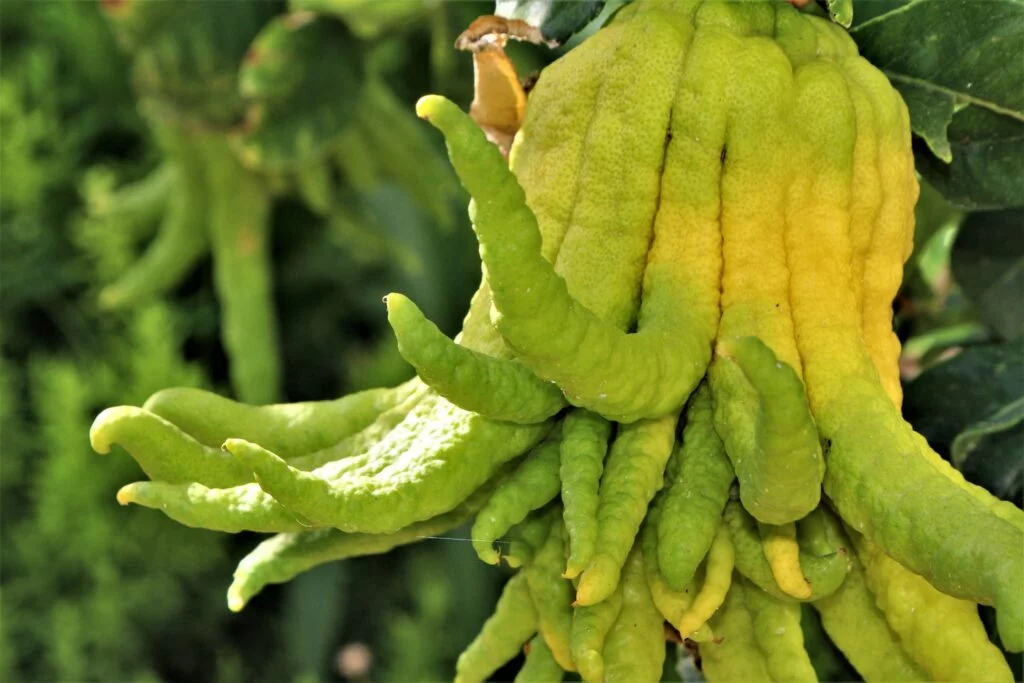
<point x="634" y="648"/>
<point x="284" y="556"/>
<point x="493" y="387"/>
<point x="876" y="477"/>
<point x="584" y="446"/>
<point x="781" y="467"/>
<point x="697" y="484"/>
<point x="859" y="629"/>
<point x="288" y="429"/>
<point x="777" y="632"/>
<point x="632" y="477"/>
<point x="513" y="623"/>
<point x="533" y="485"/>
<point x="673" y="604"/>
<point x="705" y="193"/>
<point x="552" y="595"/>
<point x="942" y="634"/>
<point x="718" y="573"/>
<point x="540" y="665"/>
<point x="734" y="654"/>
<point x="590" y="627"/>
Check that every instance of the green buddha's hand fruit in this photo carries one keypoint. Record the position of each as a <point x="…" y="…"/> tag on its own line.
<point x="513" y="622"/>
<point x="594" y="363"/>
<point x="540" y="665"/>
<point x="438" y="469"/>
<point x="523" y="540"/>
<point x="164" y="452"/>
<point x="284" y="556"/>
<point x="734" y="655"/>
<point x="943" y="635"/>
<point x="780" y="476"/>
<point x="634" y="649"/>
<point x="493" y="387"/>
<point x="858" y="628"/>
<point x="697" y="484"/>
<point x="823" y="554"/>
<point x="590" y="627"/>
<point x="584" y="446"/>
<point x="533" y="485"/>
<point x="777" y="632"/>
<point x="704" y="193"/>
<point x="288" y="429"/>
<point x="552" y="595"/>
<point x="632" y="477"/>
<point x="718" y="572"/>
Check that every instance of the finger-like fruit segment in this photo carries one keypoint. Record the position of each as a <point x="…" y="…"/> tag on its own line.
<point x="163" y="451"/>
<point x="495" y="388"/>
<point x="596" y="365"/>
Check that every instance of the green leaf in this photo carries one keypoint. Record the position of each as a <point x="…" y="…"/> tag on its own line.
<point x="963" y="80"/>
<point x="866" y="10"/>
<point x="931" y="215"/>
<point x="971" y="410"/>
<point x="962" y="48"/>
<point x="1004" y="419"/>
<point x="841" y="12"/>
<point x="931" y="113"/>
<point x="987" y="171"/>
<point x="556" y="20"/>
<point x="947" y="398"/>
<point x="313" y="602"/>
<point x="928" y="348"/>
<point x="988" y="264"/>
<point x="988" y="452"/>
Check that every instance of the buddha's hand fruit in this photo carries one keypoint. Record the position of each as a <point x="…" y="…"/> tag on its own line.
<point x="702" y="193"/>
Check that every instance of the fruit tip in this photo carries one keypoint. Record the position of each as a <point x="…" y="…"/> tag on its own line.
<point x="233" y="445"/>
<point x="235" y="600"/>
<point x="426" y="105"/>
<point x="394" y="300"/>
<point x="99" y="439"/>
<point x="126" y="495"/>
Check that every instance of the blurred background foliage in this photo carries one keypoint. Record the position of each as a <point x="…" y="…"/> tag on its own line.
<point x="91" y="592"/>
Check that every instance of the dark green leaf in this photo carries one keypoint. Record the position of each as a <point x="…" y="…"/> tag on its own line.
<point x="840" y="11"/>
<point x="314" y="609"/>
<point x="988" y="264"/>
<point x="991" y="452"/>
<point x="962" y="48"/>
<point x="866" y="10"/>
<point x="556" y="20"/>
<point x="1005" y="419"/>
<point x="957" y="64"/>
<point x="933" y="346"/>
<point x="931" y="112"/>
<point x="987" y="171"/>
<point x="944" y="400"/>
